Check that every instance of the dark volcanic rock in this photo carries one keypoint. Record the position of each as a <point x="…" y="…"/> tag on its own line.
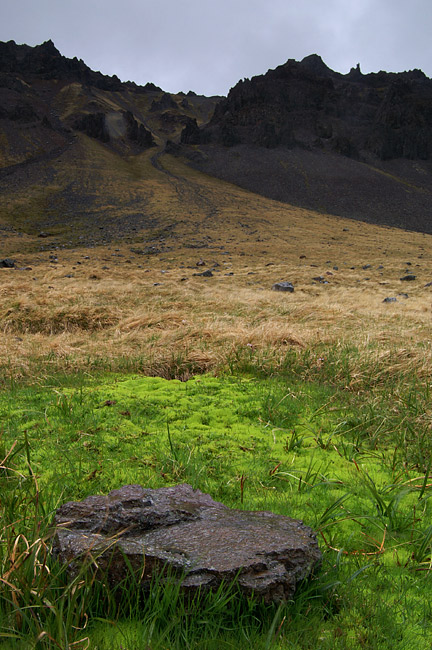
<point x="137" y="132"/>
<point x="7" y="263"/>
<point x="205" y="274"/>
<point x="164" y="103"/>
<point x="191" y="133"/>
<point x="46" y="62"/>
<point x="311" y="137"/>
<point x="283" y="286"/>
<point x="93" y="125"/>
<point x="184" y="531"/>
<point x="306" y="104"/>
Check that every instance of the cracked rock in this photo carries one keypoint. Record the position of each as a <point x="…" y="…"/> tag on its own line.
<point x="184" y="531"/>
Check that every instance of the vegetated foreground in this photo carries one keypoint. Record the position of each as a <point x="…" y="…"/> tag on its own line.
<point x="356" y="469"/>
<point x="313" y="404"/>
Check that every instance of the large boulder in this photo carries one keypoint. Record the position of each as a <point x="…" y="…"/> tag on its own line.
<point x="183" y="531"/>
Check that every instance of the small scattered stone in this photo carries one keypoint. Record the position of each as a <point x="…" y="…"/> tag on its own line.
<point x="366" y="266"/>
<point x="408" y="278"/>
<point x="7" y="263"/>
<point x="283" y="286"/>
<point x="389" y="300"/>
<point x="205" y="274"/>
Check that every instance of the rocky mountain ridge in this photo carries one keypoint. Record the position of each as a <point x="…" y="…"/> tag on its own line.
<point x="305" y="104"/>
<point x="53" y="97"/>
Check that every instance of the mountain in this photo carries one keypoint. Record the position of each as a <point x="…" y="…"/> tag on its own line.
<point x="85" y="156"/>
<point x="353" y="145"/>
<point x="74" y="143"/>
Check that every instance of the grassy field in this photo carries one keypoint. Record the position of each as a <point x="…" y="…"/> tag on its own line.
<point x="314" y="404"/>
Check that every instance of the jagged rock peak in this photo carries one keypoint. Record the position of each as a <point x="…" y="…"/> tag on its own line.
<point x="305" y="104"/>
<point x="48" y="47"/>
<point x="315" y="64"/>
<point x="355" y="73"/>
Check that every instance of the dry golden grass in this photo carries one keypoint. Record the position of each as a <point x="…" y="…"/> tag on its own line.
<point x="123" y="305"/>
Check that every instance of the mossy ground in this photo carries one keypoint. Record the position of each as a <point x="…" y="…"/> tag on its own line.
<point x="310" y="450"/>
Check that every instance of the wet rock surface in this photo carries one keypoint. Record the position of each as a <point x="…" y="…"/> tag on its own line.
<point x="185" y="531"/>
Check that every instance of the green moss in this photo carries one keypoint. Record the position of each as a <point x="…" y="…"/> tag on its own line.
<point x="299" y="449"/>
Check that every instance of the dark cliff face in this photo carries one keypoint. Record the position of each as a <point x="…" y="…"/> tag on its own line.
<point x="353" y="145"/>
<point x="305" y="104"/>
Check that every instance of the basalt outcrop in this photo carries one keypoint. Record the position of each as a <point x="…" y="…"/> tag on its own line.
<point x="387" y="115"/>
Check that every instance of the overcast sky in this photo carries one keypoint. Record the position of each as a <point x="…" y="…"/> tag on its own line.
<point x="208" y="45"/>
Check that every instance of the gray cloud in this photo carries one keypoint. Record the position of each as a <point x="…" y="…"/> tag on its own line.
<point x="208" y="46"/>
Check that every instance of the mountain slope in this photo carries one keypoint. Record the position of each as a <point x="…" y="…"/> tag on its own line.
<point x="76" y="147"/>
